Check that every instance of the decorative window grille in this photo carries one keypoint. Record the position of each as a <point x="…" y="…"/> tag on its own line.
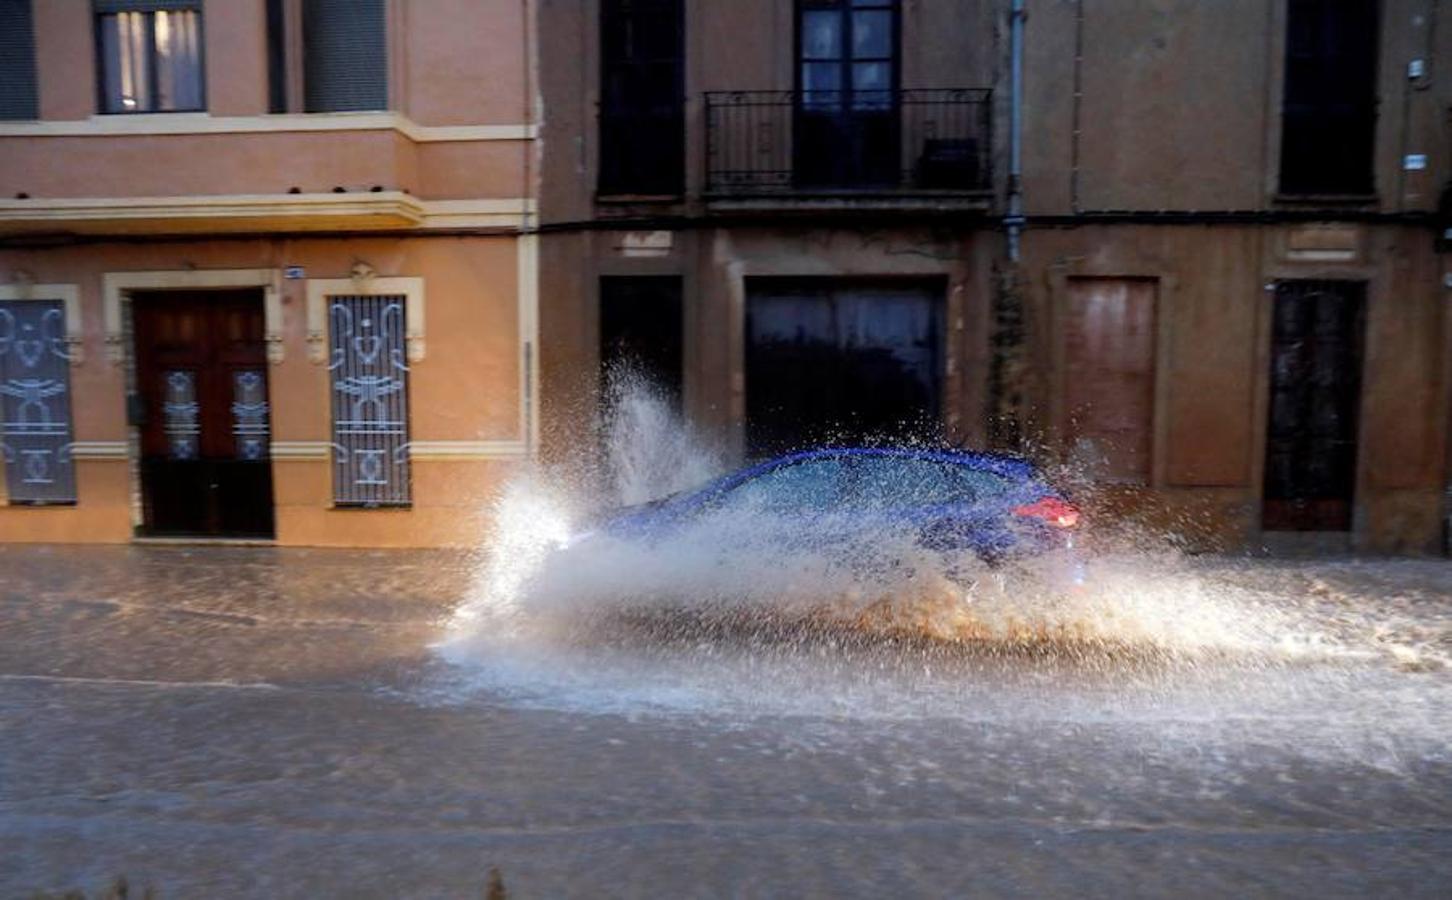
<point x="249" y="413"/>
<point x="368" y="368"/>
<point x="17" y="61"/>
<point x="179" y="414"/>
<point x="35" y="402"/>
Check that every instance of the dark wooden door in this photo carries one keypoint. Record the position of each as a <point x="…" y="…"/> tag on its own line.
<point x="201" y="377"/>
<point x="1315" y="398"/>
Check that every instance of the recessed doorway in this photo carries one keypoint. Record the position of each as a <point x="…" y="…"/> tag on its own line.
<point x="203" y="413"/>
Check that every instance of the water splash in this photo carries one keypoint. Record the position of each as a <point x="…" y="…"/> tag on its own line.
<point x="649" y="451"/>
<point x="736" y="610"/>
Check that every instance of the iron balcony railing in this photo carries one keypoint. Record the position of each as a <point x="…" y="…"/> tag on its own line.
<point x="780" y="143"/>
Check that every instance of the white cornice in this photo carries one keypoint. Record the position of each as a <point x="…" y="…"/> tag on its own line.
<point x="440" y="451"/>
<point x="205" y="123"/>
<point x="252" y="213"/>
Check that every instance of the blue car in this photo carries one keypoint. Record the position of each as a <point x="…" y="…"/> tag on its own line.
<point x="957" y="503"/>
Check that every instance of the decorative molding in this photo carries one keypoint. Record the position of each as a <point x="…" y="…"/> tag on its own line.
<point x="365" y="283"/>
<point x="205" y="123"/>
<point x="252" y="213"/>
<point x="110" y="450"/>
<point x="290" y="450"/>
<point x="467" y="450"/>
<point x="116" y="288"/>
<point x="70" y="297"/>
<point x="432" y="451"/>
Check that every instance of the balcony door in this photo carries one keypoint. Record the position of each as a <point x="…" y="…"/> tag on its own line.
<point x="846" y="114"/>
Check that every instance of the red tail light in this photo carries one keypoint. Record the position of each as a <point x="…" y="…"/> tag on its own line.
<point x="1051" y="511"/>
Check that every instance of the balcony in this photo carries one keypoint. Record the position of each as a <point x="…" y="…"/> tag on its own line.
<point x="830" y="149"/>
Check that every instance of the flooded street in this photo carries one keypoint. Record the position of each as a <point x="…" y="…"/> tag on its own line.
<point x="296" y="723"/>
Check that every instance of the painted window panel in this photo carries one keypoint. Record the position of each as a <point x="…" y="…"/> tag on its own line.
<point x="368" y="370"/>
<point x="1109" y="394"/>
<point x="35" y="402"/>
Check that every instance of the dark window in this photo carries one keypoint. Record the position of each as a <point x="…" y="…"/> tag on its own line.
<point x="276" y="57"/>
<point x="345" y="55"/>
<point x="641" y="328"/>
<point x="642" y="111"/>
<point x="17" y="61"/>
<point x="847" y="118"/>
<point x="35" y="402"/>
<point x="887" y="482"/>
<point x="1329" y="117"/>
<point x="841" y="362"/>
<point x="150" y="55"/>
<point x="1315" y="399"/>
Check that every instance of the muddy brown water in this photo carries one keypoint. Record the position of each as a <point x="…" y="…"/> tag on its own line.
<point x="285" y="723"/>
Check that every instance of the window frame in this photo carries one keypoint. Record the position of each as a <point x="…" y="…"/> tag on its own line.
<point x="98" y="14"/>
<point x="845" y="60"/>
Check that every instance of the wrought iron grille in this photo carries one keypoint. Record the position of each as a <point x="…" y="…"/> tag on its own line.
<point x="249" y="413"/>
<point x="929" y="141"/>
<point x="180" y="414"/>
<point x="35" y="402"/>
<point x="369" y="372"/>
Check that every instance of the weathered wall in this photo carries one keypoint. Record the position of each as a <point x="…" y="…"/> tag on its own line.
<point x="1179" y="106"/>
<point x="1212" y="371"/>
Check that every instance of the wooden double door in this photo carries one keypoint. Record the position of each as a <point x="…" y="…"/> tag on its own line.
<point x="202" y="406"/>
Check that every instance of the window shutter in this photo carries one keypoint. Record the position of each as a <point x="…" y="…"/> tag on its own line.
<point x="120" y="6"/>
<point x="345" y="55"/>
<point x="17" y="61"/>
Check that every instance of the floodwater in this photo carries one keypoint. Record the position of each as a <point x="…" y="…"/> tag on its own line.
<point x="293" y="723"/>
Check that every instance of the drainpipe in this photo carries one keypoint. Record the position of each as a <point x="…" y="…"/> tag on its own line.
<point x="1013" y="222"/>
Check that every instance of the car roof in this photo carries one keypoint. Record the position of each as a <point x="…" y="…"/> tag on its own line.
<point x="997" y="464"/>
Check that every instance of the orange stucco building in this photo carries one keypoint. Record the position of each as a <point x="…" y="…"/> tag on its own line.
<point x="266" y="269"/>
